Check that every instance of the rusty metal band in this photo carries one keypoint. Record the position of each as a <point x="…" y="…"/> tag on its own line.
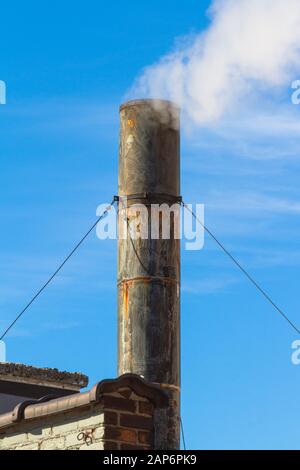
<point x="150" y="198"/>
<point x="173" y="387"/>
<point x="155" y="279"/>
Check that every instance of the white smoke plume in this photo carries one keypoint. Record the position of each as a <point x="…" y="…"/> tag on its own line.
<point x="250" y="45"/>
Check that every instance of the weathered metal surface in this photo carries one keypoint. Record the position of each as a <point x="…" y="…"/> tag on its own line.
<point x="149" y="148"/>
<point x="149" y="269"/>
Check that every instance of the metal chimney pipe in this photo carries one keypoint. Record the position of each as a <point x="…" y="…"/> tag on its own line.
<point x="149" y="269"/>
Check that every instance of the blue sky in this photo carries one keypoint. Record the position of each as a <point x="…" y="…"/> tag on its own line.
<point x="67" y="68"/>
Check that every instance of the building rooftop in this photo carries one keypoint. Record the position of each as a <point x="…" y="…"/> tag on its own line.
<point x="122" y="395"/>
<point x="19" y="382"/>
<point x="49" y="406"/>
<point x="21" y="373"/>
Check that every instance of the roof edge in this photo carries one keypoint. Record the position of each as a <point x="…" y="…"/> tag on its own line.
<point x="136" y="383"/>
<point x="49" y="405"/>
<point x="13" y="371"/>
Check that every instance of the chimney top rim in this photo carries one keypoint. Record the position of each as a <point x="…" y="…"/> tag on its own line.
<point x="150" y="101"/>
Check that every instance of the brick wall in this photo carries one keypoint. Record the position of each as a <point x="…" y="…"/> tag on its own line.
<point x="119" y="420"/>
<point x="128" y="421"/>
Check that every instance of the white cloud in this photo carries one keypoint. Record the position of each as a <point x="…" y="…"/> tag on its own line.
<point x="251" y="46"/>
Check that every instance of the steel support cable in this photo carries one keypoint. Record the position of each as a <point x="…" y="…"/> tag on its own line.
<point x="126" y="219"/>
<point x="57" y="270"/>
<point x="243" y="270"/>
<point x="182" y="434"/>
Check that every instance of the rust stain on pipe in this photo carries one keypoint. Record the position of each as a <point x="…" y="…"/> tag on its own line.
<point x="125" y="300"/>
<point x="146" y="280"/>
